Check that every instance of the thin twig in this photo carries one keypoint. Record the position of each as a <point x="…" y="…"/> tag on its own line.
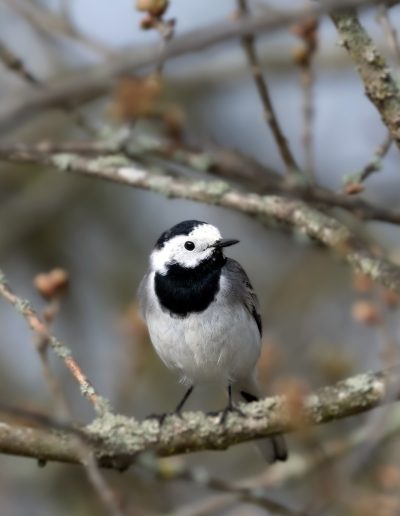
<point x="390" y="32"/>
<point x="264" y="94"/>
<point x="41" y="342"/>
<point x="50" y="23"/>
<point x="37" y="325"/>
<point x="16" y="65"/>
<point x="354" y="182"/>
<point x="307" y="31"/>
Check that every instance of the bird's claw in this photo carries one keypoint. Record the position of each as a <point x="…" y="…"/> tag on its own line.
<point x="162" y="417"/>
<point x="224" y="414"/>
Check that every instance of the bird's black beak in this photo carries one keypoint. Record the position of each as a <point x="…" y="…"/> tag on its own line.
<point x="225" y="242"/>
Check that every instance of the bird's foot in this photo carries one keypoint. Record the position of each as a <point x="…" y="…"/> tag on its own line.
<point x="229" y="409"/>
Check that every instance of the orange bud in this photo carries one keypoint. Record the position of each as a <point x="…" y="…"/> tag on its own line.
<point x="353" y="188"/>
<point x="366" y="312"/>
<point x="52" y="284"/>
<point x="155" y="8"/>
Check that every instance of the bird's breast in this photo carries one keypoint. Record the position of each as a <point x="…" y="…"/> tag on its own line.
<point x="182" y="291"/>
<point x="221" y="342"/>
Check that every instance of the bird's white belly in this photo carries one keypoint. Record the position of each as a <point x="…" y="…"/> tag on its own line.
<point x="219" y="344"/>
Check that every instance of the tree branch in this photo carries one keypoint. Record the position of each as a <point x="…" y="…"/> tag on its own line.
<point x="225" y="163"/>
<point x="116" y="440"/>
<point x="269" y="208"/>
<point x="83" y="85"/>
<point x="380" y="86"/>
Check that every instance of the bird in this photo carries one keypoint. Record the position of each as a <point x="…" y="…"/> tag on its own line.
<point x="203" y="317"/>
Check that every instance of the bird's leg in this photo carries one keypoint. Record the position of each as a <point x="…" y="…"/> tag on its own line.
<point x="177" y="412"/>
<point x="230" y="407"/>
<point x="183" y="401"/>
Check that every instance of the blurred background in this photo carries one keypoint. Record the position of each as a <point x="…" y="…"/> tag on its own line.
<point x="321" y="324"/>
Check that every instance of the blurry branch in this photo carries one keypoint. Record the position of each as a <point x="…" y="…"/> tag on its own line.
<point x="116" y="440"/>
<point x="380" y="86"/>
<point x="50" y="23"/>
<point x="354" y="182"/>
<point x="84" y="85"/>
<point x="293" y="213"/>
<point x="40" y="328"/>
<point x="224" y="163"/>
<point x="264" y="94"/>
<point x="390" y="32"/>
<point x="304" y="57"/>
<point x="15" y="64"/>
<point x="59" y="401"/>
<point x="239" y="491"/>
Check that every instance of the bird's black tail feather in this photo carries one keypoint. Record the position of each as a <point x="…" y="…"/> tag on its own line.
<point x="274" y="448"/>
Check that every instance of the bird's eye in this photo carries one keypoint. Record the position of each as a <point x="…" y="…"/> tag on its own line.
<point x="189" y="245"/>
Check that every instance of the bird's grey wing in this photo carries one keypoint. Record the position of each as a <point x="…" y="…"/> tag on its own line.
<point x="242" y="290"/>
<point x="143" y="296"/>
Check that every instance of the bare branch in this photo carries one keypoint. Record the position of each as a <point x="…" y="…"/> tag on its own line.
<point x="15" y="64"/>
<point x="50" y="23"/>
<point x="354" y="182"/>
<point x="86" y="84"/>
<point x="263" y="92"/>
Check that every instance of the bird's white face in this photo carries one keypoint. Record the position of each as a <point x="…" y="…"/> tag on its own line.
<point x="186" y="250"/>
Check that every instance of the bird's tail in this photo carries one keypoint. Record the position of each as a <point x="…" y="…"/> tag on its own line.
<point x="274" y="448"/>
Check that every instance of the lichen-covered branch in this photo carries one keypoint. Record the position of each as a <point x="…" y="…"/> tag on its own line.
<point x="268" y="208"/>
<point x="224" y="163"/>
<point x="116" y="440"/>
<point x="379" y="83"/>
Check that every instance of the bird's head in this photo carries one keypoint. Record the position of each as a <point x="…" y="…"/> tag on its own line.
<point x="188" y="244"/>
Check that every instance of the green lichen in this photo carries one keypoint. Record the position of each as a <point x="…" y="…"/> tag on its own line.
<point x="212" y="190"/>
<point x="22" y="306"/>
<point x="64" y="161"/>
<point x="115" y="160"/>
<point x="200" y="161"/>
<point x="59" y="348"/>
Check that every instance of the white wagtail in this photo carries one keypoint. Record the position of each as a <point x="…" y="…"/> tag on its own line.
<point x="203" y="316"/>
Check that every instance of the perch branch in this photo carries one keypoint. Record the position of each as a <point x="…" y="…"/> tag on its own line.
<point x="116" y="440"/>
